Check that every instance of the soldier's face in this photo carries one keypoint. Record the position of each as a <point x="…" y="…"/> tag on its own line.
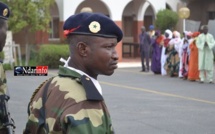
<point x="102" y="56"/>
<point x="3" y="33"/>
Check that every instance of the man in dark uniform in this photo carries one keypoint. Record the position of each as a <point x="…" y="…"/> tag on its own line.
<point x="6" y="124"/>
<point x="72" y="102"/>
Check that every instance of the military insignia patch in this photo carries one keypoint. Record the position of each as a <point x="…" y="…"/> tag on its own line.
<point x="5" y="12"/>
<point x="94" y="27"/>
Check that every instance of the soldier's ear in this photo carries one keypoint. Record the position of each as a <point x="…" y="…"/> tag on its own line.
<point x="82" y="48"/>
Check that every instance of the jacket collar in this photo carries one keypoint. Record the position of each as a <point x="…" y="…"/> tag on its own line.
<point x="92" y="93"/>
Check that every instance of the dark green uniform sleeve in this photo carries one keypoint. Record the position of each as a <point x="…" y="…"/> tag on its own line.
<point x="3" y="86"/>
<point x="3" y="89"/>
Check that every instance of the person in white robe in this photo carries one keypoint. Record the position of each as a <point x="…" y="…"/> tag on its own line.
<point x="205" y="43"/>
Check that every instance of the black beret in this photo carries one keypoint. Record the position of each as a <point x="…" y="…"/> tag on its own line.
<point x="94" y="24"/>
<point x="4" y="11"/>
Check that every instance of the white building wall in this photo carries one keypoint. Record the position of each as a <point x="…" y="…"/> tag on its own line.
<point x="98" y="7"/>
<point x="158" y="4"/>
<point x="173" y="4"/>
<point x="69" y="7"/>
<point x="116" y="7"/>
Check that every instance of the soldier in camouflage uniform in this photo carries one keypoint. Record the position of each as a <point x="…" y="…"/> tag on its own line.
<point x="72" y="102"/>
<point x="4" y="14"/>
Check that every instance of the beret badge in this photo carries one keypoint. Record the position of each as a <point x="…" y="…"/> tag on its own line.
<point x="5" y="12"/>
<point x="94" y="27"/>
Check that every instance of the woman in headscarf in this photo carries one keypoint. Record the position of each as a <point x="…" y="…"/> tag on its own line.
<point x="180" y="54"/>
<point x="185" y="60"/>
<point x="193" y="73"/>
<point x="168" y="37"/>
<point x="185" y="55"/>
<point x="156" y="56"/>
<point x="172" y="63"/>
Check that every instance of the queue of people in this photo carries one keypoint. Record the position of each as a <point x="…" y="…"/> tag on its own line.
<point x="187" y="56"/>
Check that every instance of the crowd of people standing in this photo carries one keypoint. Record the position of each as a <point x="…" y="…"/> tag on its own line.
<point x="187" y="56"/>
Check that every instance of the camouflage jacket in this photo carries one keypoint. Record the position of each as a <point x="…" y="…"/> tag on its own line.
<point x="73" y="106"/>
<point x="3" y="87"/>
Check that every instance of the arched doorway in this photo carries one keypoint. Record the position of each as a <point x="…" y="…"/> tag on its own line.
<point x="135" y="15"/>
